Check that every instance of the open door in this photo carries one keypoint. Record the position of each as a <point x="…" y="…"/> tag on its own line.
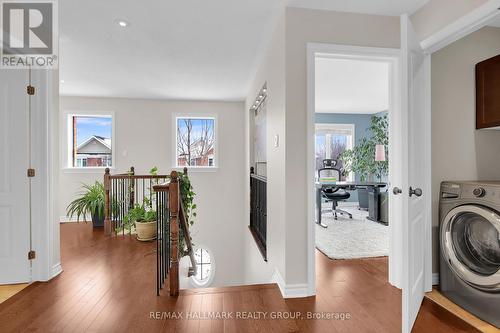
<point x="14" y="186"/>
<point x="416" y="186"/>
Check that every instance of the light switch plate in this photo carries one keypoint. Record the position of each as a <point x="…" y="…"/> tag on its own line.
<point x="276" y="141"/>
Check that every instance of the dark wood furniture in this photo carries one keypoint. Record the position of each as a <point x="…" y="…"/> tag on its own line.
<point x="321" y="185"/>
<point x="487" y="93"/>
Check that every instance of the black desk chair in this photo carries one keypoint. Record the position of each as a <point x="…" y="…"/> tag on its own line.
<point x="333" y="194"/>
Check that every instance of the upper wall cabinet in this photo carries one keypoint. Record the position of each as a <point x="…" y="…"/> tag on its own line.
<point x="488" y="93"/>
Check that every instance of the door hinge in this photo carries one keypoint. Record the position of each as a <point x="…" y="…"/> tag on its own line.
<point x="31" y="255"/>
<point x="30" y="90"/>
<point x="31" y="173"/>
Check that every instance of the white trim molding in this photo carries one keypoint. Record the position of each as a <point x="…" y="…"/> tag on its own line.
<point x="55" y="270"/>
<point x="465" y="25"/>
<point x="290" y="290"/>
<point x="391" y="56"/>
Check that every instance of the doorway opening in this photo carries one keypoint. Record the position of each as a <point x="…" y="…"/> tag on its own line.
<point x="353" y="157"/>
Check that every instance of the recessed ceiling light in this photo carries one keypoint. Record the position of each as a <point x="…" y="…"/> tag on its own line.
<point x="122" y="23"/>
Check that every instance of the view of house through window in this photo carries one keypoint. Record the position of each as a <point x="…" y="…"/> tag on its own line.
<point x="90" y="141"/>
<point x="331" y="141"/>
<point x="195" y="142"/>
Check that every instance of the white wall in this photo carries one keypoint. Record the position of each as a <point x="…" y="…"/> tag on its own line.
<point x="437" y="14"/>
<point x="459" y="151"/>
<point x="143" y="134"/>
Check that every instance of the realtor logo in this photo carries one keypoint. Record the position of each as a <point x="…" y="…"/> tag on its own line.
<point x="29" y="34"/>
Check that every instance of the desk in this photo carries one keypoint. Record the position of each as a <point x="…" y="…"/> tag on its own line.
<point x="343" y="185"/>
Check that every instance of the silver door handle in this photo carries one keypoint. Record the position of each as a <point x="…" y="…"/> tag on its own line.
<point x="396" y="191"/>
<point x="417" y="191"/>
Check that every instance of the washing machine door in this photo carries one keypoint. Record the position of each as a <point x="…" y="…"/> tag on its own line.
<point x="470" y="243"/>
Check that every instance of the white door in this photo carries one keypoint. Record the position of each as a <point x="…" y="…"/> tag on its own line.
<point x="14" y="188"/>
<point x="416" y="173"/>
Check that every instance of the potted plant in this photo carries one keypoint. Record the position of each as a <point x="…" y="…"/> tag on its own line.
<point x="143" y="219"/>
<point x="89" y="203"/>
<point x="361" y="158"/>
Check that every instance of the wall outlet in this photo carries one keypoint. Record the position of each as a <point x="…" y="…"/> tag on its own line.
<point x="276" y="141"/>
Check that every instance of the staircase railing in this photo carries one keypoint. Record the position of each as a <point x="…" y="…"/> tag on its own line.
<point x="122" y="192"/>
<point x="258" y="211"/>
<point x="171" y="218"/>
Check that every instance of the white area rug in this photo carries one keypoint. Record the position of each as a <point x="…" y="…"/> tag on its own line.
<point x="352" y="238"/>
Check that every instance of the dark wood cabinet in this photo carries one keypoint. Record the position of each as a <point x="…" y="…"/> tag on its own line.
<point x="488" y="93"/>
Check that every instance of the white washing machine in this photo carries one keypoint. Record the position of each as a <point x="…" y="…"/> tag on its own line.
<point x="470" y="247"/>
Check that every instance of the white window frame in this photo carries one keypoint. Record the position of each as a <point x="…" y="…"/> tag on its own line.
<point x="338" y="127"/>
<point x="178" y="116"/>
<point x="67" y="149"/>
<point x="195" y="283"/>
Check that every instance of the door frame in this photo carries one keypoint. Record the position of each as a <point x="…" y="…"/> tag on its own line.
<point x="393" y="57"/>
<point x="465" y="25"/>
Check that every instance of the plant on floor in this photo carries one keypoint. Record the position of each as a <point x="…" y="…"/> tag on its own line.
<point x="361" y="158"/>
<point x="90" y="201"/>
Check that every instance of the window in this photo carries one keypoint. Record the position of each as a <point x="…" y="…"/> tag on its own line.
<point x="331" y="141"/>
<point x="195" y="142"/>
<point x="90" y="141"/>
<point x="205" y="267"/>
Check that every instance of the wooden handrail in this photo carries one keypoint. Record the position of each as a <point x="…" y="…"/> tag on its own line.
<point x="129" y="176"/>
<point x="177" y="220"/>
<point x="121" y="193"/>
<point x="107" y="209"/>
<point x="187" y="239"/>
<point x="174" y="202"/>
<point x="128" y="186"/>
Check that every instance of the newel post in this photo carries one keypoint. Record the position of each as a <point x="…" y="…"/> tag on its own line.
<point x="107" y="210"/>
<point x="173" y="195"/>
<point x="132" y="188"/>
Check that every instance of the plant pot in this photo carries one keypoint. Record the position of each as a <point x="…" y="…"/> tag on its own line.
<point x="363" y="198"/>
<point x="384" y="207"/>
<point x="98" y="222"/>
<point x="146" y="231"/>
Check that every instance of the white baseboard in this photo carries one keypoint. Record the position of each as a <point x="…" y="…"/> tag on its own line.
<point x="290" y="290"/>
<point x="435" y="279"/>
<point x="55" y="270"/>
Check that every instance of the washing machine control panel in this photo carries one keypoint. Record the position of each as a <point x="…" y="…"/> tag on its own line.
<point x="488" y="193"/>
<point x="479" y="192"/>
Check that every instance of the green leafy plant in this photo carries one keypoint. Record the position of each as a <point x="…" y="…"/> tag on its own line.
<point x="187" y="197"/>
<point x="139" y="214"/>
<point x="90" y="202"/>
<point x="361" y="158"/>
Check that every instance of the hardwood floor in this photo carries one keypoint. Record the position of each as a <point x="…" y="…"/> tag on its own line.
<point x="108" y="285"/>
<point x="9" y="290"/>
<point x="447" y="304"/>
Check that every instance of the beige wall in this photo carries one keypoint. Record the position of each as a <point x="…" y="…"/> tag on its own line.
<point x="284" y="69"/>
<point x="143" y="132"/>
<point x="459" y="151"/>
<point x="272" y="71"/>
<point x="304" y="26"/>
<point x="437" y="14"/>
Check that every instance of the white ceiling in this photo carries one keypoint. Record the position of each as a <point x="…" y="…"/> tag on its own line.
<point x="495" y="22"/>
<point x="188" y="49"/>
<point x="351" y="86"/>
<point x="376" y="7"/>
